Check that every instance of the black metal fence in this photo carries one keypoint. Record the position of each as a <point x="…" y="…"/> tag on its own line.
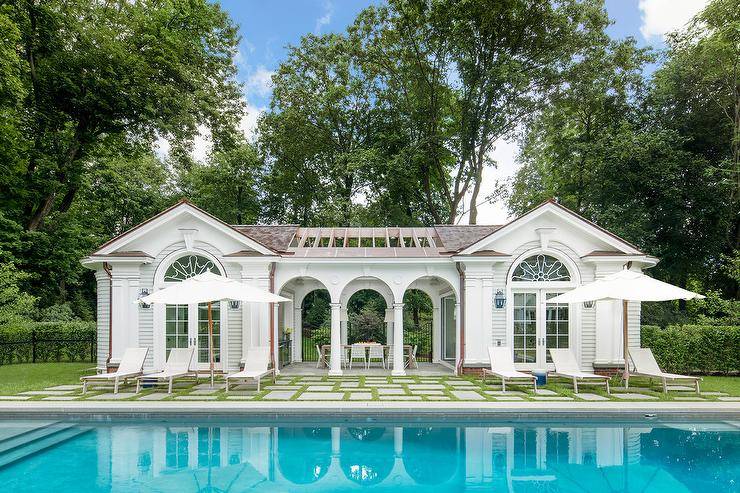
<point x="40" y="349"/>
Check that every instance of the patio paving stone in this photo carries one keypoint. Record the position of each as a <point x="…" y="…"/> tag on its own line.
<point x="348" y="385"/>
<point x="437" y="398"/>
<point x="321" y="396"/>
<point x="714" y="393"/>
<point x="400" y="397"/>
<point x="727" y="398"/>
<point x="631" y="389"/>
<point x="545" y="392"/>
<point x="426" y="386"/>
<point x="155" y="396"/>
<point x="680" y="387"/>
<point x="282" y="387"/>
<point x="239" y="397"/>
<point x="360" y="396"/>
<point x="46" y="392"/>
<point x="244" y="387"/>
<point x="464" y="383"/>
<point x="204" y="391"/>
<point x="404" y="380"/>
<point x="388" y="385"/>
<point x="508" y="392"/>
<point x="591" y="397"/>
<point x="320" y="388"/>
<point x="550" y="398"/>
<point x="467" y="395"/>
<point x="65" y="387"/>
<point x="279" y="395"/>
<point x="634" y="395"/>
<point x="508" y="398"/>
<point x="385" y="391"/>
<point x="689" y="398"/>
<point x="14" y="397"/>
<point x="202" y="386"/>
<point x="427" y="392"/>
<point x="195" y="398"/>
<point x="61" y="398"/>
<point x="112" y="396"/>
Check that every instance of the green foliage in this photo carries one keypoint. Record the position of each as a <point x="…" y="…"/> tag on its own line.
<point x="694" y="348"/>
<point x="55" y="341"/>
<point x="366" y="326"/>
<point x="322" y="335"/>
<point x="15" y="304"/>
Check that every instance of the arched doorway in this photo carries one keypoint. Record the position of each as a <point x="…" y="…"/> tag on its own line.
<point x="315" y="323"/>
<point x="417" y="323"/>
<point x="183" y="326"/>
<point x="366" y="317"/>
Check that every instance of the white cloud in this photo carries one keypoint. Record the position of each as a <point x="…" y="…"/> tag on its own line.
<point x="260" y="82"/>
<point x="504" y="153"/>
<point x="662" y="16"/>
<point x="324" y="19"/>
<point x="248" y="124"/>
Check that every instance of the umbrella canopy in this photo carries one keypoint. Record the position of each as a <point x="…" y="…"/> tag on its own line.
<point x="207" y="288"/>
<point x="210" y="287"/>
<point x="626" y="285"/>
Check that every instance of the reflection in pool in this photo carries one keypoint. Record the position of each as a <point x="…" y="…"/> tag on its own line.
<point x="227" y="456"/>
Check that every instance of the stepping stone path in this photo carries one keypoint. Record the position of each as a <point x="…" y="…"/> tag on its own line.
<point x="14" y="397"/>
<point x="195" y="397"/>
<point x="591" y="397"/>
<point x="239" y="397"/>
<point x="714" y="393"/>
<point x="156" y="396"/>
<point x="360" y="396"/>
<point x="437" y="398"/>
<point x="508" y="398"/>
<point x="207" y="386"/>
<point x="426" y="387"/>
<point x="727" y="398"/>
<point x="65" y="387"/>
<point x="680" y="387"/>
<point x="688" y="398"/>
<point x="321" y="396"/>
<point x="204" y="391"/>
<point x="467" y="395"/>
<point x="61" y="398"/>
<point x="400" y="397"/>
<point x="551" y="398"/>
<point x="385" y="391"/>
<point x="634" y="396"/>
<point x="497" y="393"/>
<point x="427" y="392"/>
<point x="545" y="392"/>
<point x="279" y="395"/>
<point x="46" y="392"/>
<point x="320" y="388"/>
<point x="111" y="396"/>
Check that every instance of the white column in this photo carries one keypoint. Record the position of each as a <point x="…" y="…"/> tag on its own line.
<point x="398" y="363"/>
<point x="336" y="341"/>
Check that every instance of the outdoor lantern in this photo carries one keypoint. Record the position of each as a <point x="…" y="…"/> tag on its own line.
<point x="144" y="292"/>
<point x="234" y="304"/>
<point x="500" y="299"/>
<point x="588" y="304"/>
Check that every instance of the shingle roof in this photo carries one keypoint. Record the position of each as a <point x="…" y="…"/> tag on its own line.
<point x="276" y="237"/>
<point x="455" y="238"/>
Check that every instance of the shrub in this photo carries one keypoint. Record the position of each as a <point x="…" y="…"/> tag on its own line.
<point x="694" y="348"/>
<point x="52" y="341"/>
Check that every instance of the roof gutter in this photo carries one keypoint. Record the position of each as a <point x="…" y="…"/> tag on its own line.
<point x="461" y="272"/>
<point x="107" y="269"/>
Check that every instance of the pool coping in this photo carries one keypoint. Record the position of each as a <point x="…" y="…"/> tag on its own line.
<point x="344" y="409"/>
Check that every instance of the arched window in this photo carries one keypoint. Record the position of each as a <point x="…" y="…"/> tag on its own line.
<point x="189" y="266"/>
<point x="541" y="268"/>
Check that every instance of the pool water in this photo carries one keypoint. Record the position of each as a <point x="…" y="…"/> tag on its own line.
<point x="229" y="456"/>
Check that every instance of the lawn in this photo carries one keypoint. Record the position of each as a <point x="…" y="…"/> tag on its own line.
<point x="36" y="376"/>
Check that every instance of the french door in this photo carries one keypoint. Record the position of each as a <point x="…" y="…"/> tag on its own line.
<point x="187" y="326"/>
<point x="538" y="326"/>
<point x="449" y="329"/>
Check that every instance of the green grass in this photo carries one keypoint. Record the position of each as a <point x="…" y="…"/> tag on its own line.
<point x="731" y="385"/>
<point x="37" y="376"/>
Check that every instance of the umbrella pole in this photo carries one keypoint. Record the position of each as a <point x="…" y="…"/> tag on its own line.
<point x="625" y="342"/>
<point x="210" y="340"/>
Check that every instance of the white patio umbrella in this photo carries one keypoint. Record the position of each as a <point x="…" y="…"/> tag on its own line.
<point x="207" y="288"/>
<point x="624" y="286"/>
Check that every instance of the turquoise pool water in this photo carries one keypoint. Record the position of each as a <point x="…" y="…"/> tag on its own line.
<point x="229" y="456"/>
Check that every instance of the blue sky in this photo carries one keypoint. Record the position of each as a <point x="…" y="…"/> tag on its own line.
<point x="267" y="27"/>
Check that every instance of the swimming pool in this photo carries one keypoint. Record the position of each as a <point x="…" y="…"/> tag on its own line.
<point x="159" y="455"/>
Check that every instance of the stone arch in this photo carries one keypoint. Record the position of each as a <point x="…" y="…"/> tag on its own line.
<point x="299" y="287"/>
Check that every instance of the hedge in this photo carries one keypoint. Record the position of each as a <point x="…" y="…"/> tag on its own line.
<point x="29" y="342"/>
<point x="694" y="348"/>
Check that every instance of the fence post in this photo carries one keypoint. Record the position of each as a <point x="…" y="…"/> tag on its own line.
<point x="33" y="345"/>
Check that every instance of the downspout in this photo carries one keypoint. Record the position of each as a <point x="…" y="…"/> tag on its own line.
<point x="107" y="269"/>
<point x="272" y="315"/>
<point x="461" y="272"/>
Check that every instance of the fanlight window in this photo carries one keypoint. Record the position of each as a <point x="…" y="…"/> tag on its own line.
<point x="541" y="268"/>
<point x="189" y="266"/>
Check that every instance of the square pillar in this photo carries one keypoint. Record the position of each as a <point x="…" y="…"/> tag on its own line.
<point x="398" y="363"/>
<point x="335" y="362"/>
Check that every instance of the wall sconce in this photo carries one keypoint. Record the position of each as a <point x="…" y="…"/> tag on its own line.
<point x="499" y="299"/>
<point x="144" y="292"/>
<point x="588" y="304"/>
<point x="234" y="304"/>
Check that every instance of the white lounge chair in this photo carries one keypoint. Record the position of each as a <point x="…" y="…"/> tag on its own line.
<point x="502" y="366"/>
<point x="131" y="366"/>
<point x="177" y="366"/>
<point x="566" y="366"/>
<point x="646" y="366"/>
<point x="256" y="366"/>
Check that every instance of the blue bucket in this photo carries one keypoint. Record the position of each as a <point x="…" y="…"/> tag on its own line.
<point x="541" y="377"/>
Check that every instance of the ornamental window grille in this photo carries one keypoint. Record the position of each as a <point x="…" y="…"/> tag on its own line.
<point x="541" y="268"/>
<point x="189" y="266"/>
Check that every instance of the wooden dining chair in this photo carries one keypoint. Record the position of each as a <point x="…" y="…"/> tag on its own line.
<point x="321" y="360"/>
<point x="412" y="358"/>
